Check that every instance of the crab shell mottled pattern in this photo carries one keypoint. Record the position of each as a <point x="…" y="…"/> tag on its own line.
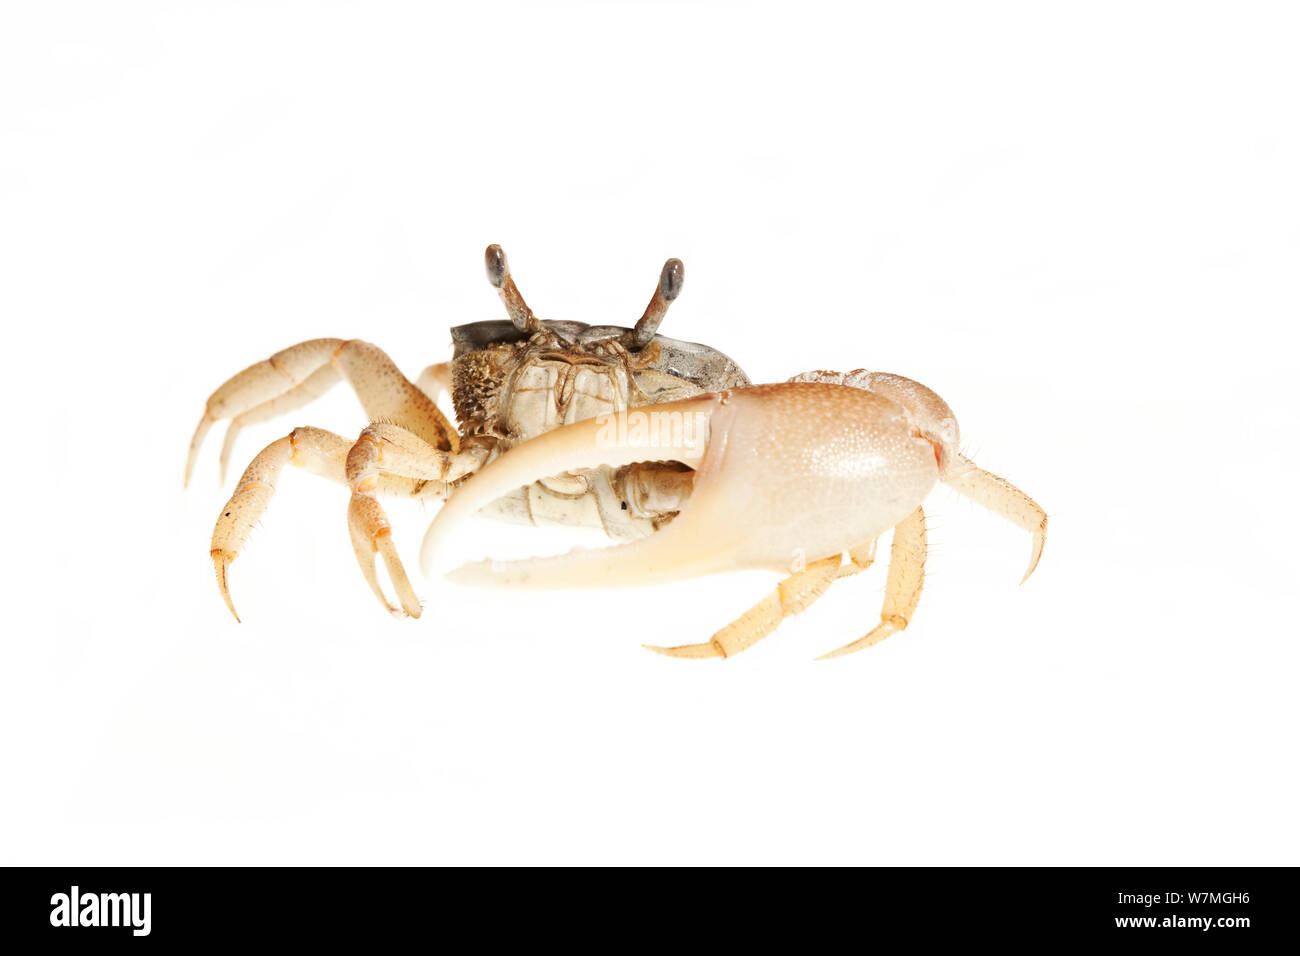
<point x="518" y="384"/>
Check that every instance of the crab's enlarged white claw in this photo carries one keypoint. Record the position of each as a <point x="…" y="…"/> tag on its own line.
<point x="791" y="474"/>
<point x="676" y="431"/>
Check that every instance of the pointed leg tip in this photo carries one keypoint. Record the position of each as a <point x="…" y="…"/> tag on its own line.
<point x="195" y="444"/>
<point x="405" y="611"/>
<point x="687" y="651"/>
<point x="394" y="610"/>
<point x="848" y="649"/>
<point x="862" y="643"/>
<point x="1037" y="554"/>
<point x="221" y="563"/>
<point x="225" y="594"/>
<point x="227" y="448"/>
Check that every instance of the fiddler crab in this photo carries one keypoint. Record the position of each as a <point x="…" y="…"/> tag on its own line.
<point x="662" y="444"/>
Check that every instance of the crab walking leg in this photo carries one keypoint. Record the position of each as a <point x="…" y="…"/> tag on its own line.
<point x="435" y="381"/>
<point x="1002" y="498"/>
<point x="385" y="393"/>
<point x="902" y="587"/>
<point x="258" y="384"/>
<point x="316" y="450"/>
<point x="792" y="596"/>
<point x="389" y="449"/>
<point x="304" y="393"/>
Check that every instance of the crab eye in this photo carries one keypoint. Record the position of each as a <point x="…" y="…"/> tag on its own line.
<point x="498" y="273"/>
<point x="497" y="268"/>
<point x="671" y="278"/>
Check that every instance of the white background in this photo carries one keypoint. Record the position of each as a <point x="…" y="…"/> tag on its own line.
<point x="1080" y="225"/>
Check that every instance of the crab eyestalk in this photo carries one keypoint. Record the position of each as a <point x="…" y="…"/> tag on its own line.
<point x="498" y="273"/>
<point x="669" y="288"/>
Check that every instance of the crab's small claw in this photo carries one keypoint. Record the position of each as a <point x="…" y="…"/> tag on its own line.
<point x="784" y="474"/>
